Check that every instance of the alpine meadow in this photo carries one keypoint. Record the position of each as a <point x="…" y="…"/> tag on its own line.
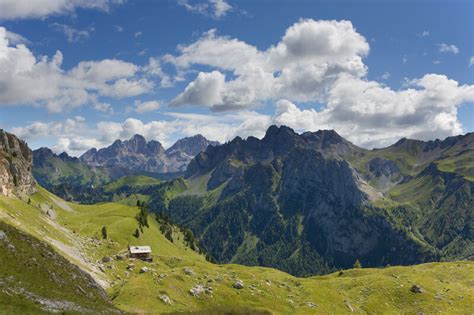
<point x="236" y="157"/>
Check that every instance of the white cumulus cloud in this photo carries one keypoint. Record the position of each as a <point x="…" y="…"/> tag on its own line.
<point x="447" y="48"/>
<point x="23" y="9"/>
<point x="144" y="107"/>
<point x="40" y="81"/>
<point x="212" y="8"/>
<point x="301" y="67"/>
<point x="320" y="62"/>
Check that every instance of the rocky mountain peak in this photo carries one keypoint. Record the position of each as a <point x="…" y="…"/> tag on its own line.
<point x="277" y="142"/>
<point x="116" y="143"/>
<point x="64" y="155"/>
<point x="137" y="143"/>
<point x="191" y="145"/>
<point x="16" y="161"/>
<point x="279" y="131"/>
<point x="138" y="138"/>
<point x="43" y="152"/>
<point x="155" y="147"/>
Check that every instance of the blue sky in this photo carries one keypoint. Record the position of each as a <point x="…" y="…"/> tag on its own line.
<point x="374" y="71"/>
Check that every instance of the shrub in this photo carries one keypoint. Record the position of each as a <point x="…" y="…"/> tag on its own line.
<point x="136" y="233"/>
<point x="104" y="233"/>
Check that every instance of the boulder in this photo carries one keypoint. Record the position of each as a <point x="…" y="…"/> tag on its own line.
<point x="239" y="284"/>
<point x="188" y="271"/>
<point x="130" y="266"/>
<point x="106" y="259"/>
<point x="199" y="289"/>
<point x="120" y="256"/>
<point x="416" y="289"/>
<point x="165" y="299"/>
<point x="144" y="270"/>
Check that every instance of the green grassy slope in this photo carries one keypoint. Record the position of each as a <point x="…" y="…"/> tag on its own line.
<point x="34" y="279"/>
<point x="75" y="232"/>
<point x="128" y="190"/>
<point x="131" y="181"/>
<point x="412" y="156"/>
<point x="55" y="171"/>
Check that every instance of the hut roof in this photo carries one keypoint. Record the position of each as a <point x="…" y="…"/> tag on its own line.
<point x="140" y="249"/>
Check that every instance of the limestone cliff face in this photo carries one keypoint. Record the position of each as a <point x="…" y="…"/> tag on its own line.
<point x="16" y="161"/>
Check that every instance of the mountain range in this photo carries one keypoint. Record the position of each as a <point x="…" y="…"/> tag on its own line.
<point x="75" y="178"/>
<point x="314" y="202"/>
<point x="139" y="155"/>
<point x="306" y="203"/>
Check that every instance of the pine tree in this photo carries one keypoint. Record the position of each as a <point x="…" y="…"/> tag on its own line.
<point x="357" y="264"/>
<point x="142" y="216"/>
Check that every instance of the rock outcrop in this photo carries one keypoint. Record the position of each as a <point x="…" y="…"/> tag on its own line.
<point x="16" y="161"/>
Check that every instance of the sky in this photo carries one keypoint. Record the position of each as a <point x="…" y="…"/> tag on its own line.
<point x="76" y="74"/>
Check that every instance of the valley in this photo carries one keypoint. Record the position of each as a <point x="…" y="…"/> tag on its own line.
<point x="74" y="231"/>
<point x="347" y="229"/>
<point x="232" y="157"/>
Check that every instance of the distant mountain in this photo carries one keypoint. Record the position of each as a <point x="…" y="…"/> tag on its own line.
<point x="184" y="150"/>
<point x="314" y="202"/>
<point x="67" y="176"/>
<point x="139" y="155"/>
<point x="81" y="179"/>
<point x="15" y="166"/>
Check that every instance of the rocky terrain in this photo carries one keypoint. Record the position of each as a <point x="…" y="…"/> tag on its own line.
<point x="15" y="166"/>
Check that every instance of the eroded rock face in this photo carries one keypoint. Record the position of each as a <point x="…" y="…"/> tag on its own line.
<point x="384" y="173"/>
<point x="379" y="166"/>
<point x="16" y="161"/>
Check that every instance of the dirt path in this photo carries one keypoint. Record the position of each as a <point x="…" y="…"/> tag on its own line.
<point x="61" y="204"/>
